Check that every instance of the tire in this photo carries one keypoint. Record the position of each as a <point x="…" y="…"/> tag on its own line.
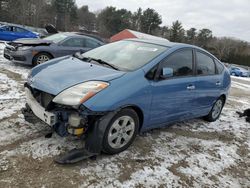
<point x="215" y="112"/>
<point x="119" y="136"/>
<point x="41" y="58"/>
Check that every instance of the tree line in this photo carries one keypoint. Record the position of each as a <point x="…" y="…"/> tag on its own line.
<point x="66" y="16"/>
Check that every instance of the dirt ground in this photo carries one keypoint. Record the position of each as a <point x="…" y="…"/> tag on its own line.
<point x="187" y="154"/>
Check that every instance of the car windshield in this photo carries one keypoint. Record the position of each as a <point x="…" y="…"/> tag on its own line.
<point x="56" y="37"/>
<point x="126" y="55"/>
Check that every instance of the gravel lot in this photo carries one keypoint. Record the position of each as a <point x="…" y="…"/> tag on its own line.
<point x="187" y="154"/>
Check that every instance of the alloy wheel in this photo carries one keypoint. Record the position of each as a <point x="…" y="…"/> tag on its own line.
<point x="42" y="59"/>
<point x="121" y="132"/>
<point x="217" y="109"/>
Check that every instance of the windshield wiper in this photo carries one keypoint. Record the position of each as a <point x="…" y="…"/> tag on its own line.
<point x="100" y="61"/>
<point x="89" y="59"/>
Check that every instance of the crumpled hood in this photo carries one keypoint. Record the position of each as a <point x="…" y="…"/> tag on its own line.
<point x="31" y="42"/>
<point x="61" y="73"/>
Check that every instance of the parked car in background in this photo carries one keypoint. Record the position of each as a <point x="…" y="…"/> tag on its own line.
<point x="37" y="51"/>
<point x="238" y="71"/>
<point x="111" y="93"/>
<point x="10" y="33"/>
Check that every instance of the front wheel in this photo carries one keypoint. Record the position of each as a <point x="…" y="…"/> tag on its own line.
<point x="215" y="112"/>
<point x="121" y="131"/>
<point x="41" y="58"/>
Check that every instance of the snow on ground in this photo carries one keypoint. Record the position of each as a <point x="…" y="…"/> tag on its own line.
<point x="193" y="153"/>
<point x="5" y="64"/>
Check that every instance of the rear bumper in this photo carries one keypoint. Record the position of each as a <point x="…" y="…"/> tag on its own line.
<point x="23" y="57"/>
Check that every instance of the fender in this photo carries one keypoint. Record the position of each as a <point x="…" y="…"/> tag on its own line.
<point x="94" y="137"/>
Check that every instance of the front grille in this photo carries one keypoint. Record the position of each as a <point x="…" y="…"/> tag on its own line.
<point x="6" y="56"/>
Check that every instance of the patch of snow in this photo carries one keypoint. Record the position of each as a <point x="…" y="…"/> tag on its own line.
<point x="17" y="68"/>
<point x="41" y="147"/>
<point x="240" y="78"/>
<point x="241" y="85"/>
<point x="4" y="165"/>
<point x="9" y="88"/>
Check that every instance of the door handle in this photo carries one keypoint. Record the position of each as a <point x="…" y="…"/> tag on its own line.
<point x="218" y="83"/>
<point x="190" y="87"/>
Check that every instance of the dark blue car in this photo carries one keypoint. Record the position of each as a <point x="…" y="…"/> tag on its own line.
<point x="10" y="33"/>
<point x="113" y="92"/>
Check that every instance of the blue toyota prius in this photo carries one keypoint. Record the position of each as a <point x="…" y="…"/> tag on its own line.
<point x="110" y="94"/>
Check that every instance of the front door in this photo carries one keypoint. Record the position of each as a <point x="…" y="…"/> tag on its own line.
<point x="173" y="97"/>
<point x="71" y="46"/>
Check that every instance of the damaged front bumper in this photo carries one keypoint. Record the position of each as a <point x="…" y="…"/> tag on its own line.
<point x="62" y="121"/>
<point x="47" y="117"/>
<point x="66" y="120"/>
<point x="18" y="56"/>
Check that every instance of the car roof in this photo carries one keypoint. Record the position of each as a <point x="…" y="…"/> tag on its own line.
<point x="162" y="42"/>
<point x="170" y="44"/>
<point x="83" y="35"/>
<point x="9" y="25"/>
<point x="13" y="26"/>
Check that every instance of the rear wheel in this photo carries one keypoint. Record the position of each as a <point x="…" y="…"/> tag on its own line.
<point x="121" y="131"/>
<point x="215" y="112"/>
<point x="41" y="58"/>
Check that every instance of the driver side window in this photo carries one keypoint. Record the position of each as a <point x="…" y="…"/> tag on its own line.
<point x="180" y="64"/>
<point x="19" y="30"/>
<point x="74" y="42"/>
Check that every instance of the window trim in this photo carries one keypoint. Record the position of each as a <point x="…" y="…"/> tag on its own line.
<point x="160" y="65"/>
<point x="217" y="71"/>
<point x="196" y="74"/>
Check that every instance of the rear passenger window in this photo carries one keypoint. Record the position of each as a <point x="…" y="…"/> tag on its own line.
<point x="181" y="62"/>
<point x="19" y="30"/>
<point x="219" y="67"/>
<point x="205" y="64"/>
<point x="74" y="42"/>
<point x="91" y="43"/>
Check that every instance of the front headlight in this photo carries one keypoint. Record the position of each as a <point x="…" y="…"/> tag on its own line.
<point x="24" y="47"/>
<point x="80" y="93"/>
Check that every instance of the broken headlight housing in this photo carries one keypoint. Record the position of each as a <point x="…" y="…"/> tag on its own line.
<point x="80" y="93"/>
<point x="22" y="48"/>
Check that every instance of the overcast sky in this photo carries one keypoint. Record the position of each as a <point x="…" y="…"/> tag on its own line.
<point x="223" y="17"/>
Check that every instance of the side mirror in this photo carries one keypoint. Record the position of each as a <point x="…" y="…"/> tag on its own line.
<point x="82" y="51"/>
<point x="77" y="55"/>
<point x="167" y="73"/>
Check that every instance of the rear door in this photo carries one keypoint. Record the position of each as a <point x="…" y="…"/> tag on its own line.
<point x="22" y="33"/>
<point x="71" y="46"/>
<point x="209" y="81"/>
<point x="172" y="98"/>
<point x="91" y="44"/>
